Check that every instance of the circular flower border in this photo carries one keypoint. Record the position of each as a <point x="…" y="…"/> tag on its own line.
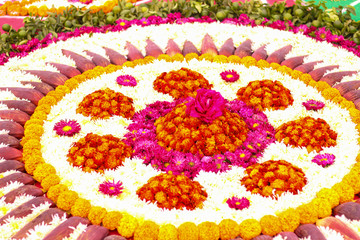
<point x="128" y="226"/>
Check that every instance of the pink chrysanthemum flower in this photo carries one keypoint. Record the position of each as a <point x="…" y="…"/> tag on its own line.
<point x="313" y="105"/>
<point x="229" y="76"/>
<point x="67" y="128"/>
<point x="238" y="203"/>
<point x="126" y="80"/>
<point x="324" y="160"/>
<point x="111" y="188"/>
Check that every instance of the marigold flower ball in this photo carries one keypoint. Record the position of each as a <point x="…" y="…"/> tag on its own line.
<point x="296" y="74"/>
<point x="127" y="226"/>
<point x="308" y="213"/>
<point x="345" y="191"/>
<point x="321" y="85"/>
<point x="33" y="121"/>
<point x="188" y="231"/>
<point x="31" y="163"/>
<point x="42" y="171"/>
<point x="270" y="225"/>
<point x="249" y="229"/>
<point x="208" y="231"/>
<point x="262" y="64"/>
<point x="67" y="199"/>
<point x="50" y="100"/>
<point x="322" y="206"/>
<point x="112" y="220"/>
<point x="34" y="130"/>
<point x="190" y="56"/>
<point x="81" y="208"/>
<point x="289" y="219"/>
<point x="330" y="93"/>
<point x="96" y="215"/>
<point x="168" y="232"/>
<point x="330" y="195"/>
<point x="39" y="115"/>
<point x="55" y="191"/>
<point x="275" y="65"/>
<point x="62" y="90"/>
<point x="229" y="229"/>
<point x="220" y="59"/>
<point x="148" y="230"/>
<point x="49" y="181"/>
<point x="178" y="57"/>
<point x="348" y="105"/>
<point x="248" y="61"/>
<point x="285" y="69"/>
<point x="353" y="179"/>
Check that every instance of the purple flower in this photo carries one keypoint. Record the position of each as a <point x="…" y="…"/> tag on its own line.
<point x="230" y="76"/>
<point x="111" y="188"/>
<point x="238" y="203"/>
<point x="126" y="80"/>
<point x="313" y="105"/>
<point x="67" y="128"/>
<point x="324" y="160"/>
<point x="207" y="105"/>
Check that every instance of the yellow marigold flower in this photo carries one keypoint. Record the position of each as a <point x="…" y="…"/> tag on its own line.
<point x="353" y="113"/>
<point x="312" y="83"/>
<point x="96" y="215"/>
<point x="71" y="83"/>
<point x="330" y="93"/>
<point x="138" y="62"/>
<point x="249" y="229"/>
<point x="263" y="64"/>
<point x="289" y="219"/>
<point x="33" y="121"/>
<point x="112" y="68"/>
<point x="229" y="229"/>
<point x="208" y="231"/>
<point x="127" y="226"/>
<point x="234" y="59"/>
<point x="45" y="108"/>
<point x="353" y="179"/>
<point x="270" y="225"/>
<point x="337" y="100"/>
<point x="47" y="100"/>
<point x="347" y="104"/>
<point x="148" y="230"/>
<point x="308" y="213"/>
<point x="62" y="90"/>
<point x="31" y="163"/>
<point x="112" y="220"/>
<point x="330" y="195"/>
<point x="148" y="59"/>
<point x="275" y="65"/>
<point x="285" y="70"/>
<point x="206" y="56"/>
<point x="190" y="56"/>
<point x="188" y="231"/>
<point x="220" y="59"/>
<point x="49" y="181"/>
<point x="345" y="191"/>
<point x="39" y="115"/>
<point x="321" y="85"/>
<point x="177" y="57"/>
<point x="67" y="199"/>
<point x="32" y="144"/>
<point x="42" y="171"/>
<point x="297" y="74"/>
<point x="322" y="206"/>
<point x="168" y="232"/>
<point x="55" y="191"/>
<point x="128" y="64"/>
<point x="81" y="208"/>
<point x="55" y="95"/>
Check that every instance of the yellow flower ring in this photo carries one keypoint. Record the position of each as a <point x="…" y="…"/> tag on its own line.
<point x="75" y="190"/>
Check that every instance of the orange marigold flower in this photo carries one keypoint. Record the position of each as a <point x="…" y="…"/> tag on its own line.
<point x="263" y="64"/>
<point x="330" y="93"/>
<point x="308" y="213"/>
<point x="48" y="100"/>
<point x="190" y="56"/>
<point x="81" y="208"/>
<point x="353" y="180"/>
<point x="31" y="162"/>
<point x="270" y="225"/>
<point x="289" y="219"/>
<point x="345" y="191"/>
<point x="33" y="121"/>
<point x="208" y="231"/>
<point x="67" y="199"/>
<point x="164" y="57"/>
<point x="306" y="78"/>
<point x="321" y="85"/>
<point x="168" y="232"/>
<point x="188" y="231"/>
<point x="49" y="181"/>
<point x="177" y="57"/>
<point x="284" y="69"/>
<point x="249" y="229"/>
<point x="55" y="191"/>
<point x="96" y="215"/>
<point x="229" y="229"/>
<point x="148" y="230"/>
<point x="329" y="195"/>
<point x="322" y="207"/>
<point x="112" y="220"/>
<point x="297" y="75"/>
<point x="127" y="226"/>
<point x="42" y="171"/>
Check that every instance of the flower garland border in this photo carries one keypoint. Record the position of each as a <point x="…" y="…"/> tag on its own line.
<point x="129" y="226"/>
<point x="122" y="24"/>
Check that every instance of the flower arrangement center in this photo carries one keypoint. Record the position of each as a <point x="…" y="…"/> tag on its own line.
<point x="272" y="178"/>
<point x="202" y="125"/>
<point x="103" y="104"/>
<point x="97" y="153"/>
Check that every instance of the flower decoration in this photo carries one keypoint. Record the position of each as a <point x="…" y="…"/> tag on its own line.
<point x="313" y="105"/>
<point x="67" y="128"/>
<point x="207" y="106"/>
<point x="238" y="203"/>
<point x="230" y="76"/>
<point x="111" y="188"/>
<point x="324" y="160"/>
<point x="81" y="1"/>
<point x="126" y="80"/>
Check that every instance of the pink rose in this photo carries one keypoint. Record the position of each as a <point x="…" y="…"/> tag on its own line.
<point x="208" y="105"/>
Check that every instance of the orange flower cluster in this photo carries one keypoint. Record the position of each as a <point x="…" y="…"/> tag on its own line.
<point x="273" y="178"/>
<point x="106" y="103"/>
<point x="181" y="83"/>
<point x="173" y="191"/>
<point x="178" y="131"/>
<point x="314" y="134"/>
<point x="265" y="94"/>
<point x="96" y="153"/>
